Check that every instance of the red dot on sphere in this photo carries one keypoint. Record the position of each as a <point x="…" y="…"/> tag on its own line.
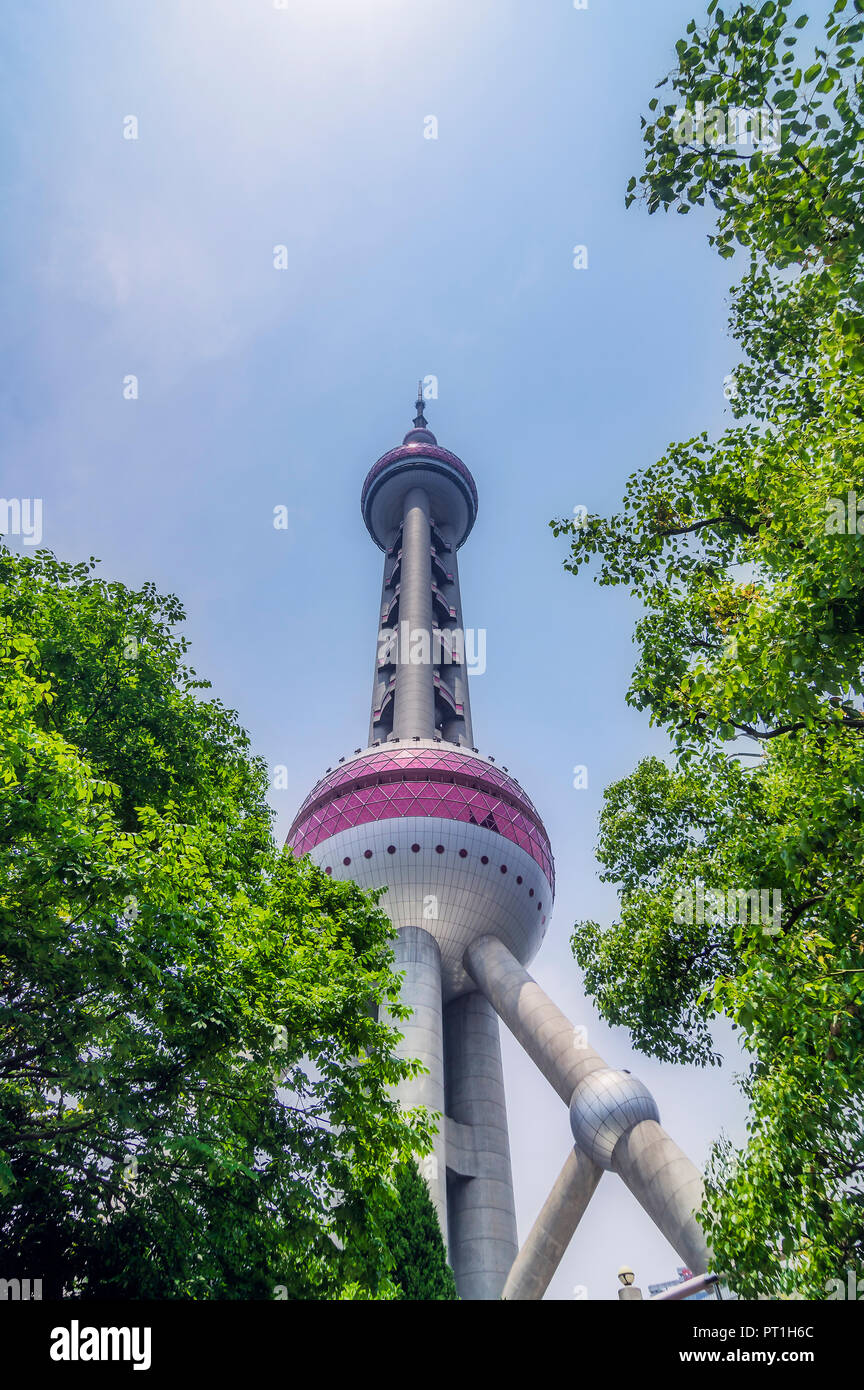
<point x="530" y="892"/>
<point x="518" y="878"/>
<point x="439" y="849"/>
<point x="415" y="849"/>
<point x="347" y="859"/>
<point x="484" y="858"/>
<point x="328" y="871"/>
<point x="503" y="868"/>
<point x="463" y="854"/>
<point x="391" y="849"/>
<point x="539" y="905"/>
<point x="367" y="854"/>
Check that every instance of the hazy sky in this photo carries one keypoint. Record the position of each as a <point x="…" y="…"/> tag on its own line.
<point x="303" y="126"/>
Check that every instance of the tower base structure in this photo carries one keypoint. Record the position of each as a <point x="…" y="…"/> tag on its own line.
<point x="614" y="1119"/>
<point x="468" y="1171"/>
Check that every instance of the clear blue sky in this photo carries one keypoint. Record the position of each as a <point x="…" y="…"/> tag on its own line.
<point x="303" y="126"/>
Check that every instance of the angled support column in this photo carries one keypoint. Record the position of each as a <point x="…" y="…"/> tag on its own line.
<point x="553" y="1230"/>
<point x="667" y="1185"/>
<point x="613" y="1115"/>
<point x="553" y="1044"/>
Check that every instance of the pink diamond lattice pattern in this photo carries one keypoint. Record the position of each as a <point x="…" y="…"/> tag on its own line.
<point x="421" y="782"/>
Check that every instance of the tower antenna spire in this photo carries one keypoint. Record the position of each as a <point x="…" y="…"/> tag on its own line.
<point x="420" y="421"/>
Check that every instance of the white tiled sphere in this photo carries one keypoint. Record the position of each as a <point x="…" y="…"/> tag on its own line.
<point x="605" y="1105"/>
<point x="471" y="899"/>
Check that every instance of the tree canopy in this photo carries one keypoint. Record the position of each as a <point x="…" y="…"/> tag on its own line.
<point x="195" y="1094"/>
<point x="746" y="555"/>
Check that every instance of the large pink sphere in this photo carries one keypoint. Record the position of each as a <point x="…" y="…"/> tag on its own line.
<point x="453" y="838"/>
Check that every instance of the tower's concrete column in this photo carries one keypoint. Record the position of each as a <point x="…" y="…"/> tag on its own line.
<point x="613" y="1116"/>
<point x="553" y="1230"/>
<point x="481" y="1210"/>
<point x="415" y="691"/>
<point x="547" y="1035"/>
<point x="666" y="1185"/>
<point x="418" y="958"/>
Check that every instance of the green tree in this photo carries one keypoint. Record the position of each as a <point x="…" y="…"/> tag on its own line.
<point x="194" y="1090"/>
<point x="751" y="648"/>
<point x="420" y="1267"/>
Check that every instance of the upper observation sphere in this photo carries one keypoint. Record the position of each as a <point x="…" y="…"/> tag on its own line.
<point x="419" y="461"/>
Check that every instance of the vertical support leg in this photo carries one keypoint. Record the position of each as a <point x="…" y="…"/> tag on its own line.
<point x="418" y="958"/>
<point x="483" y="1242"/>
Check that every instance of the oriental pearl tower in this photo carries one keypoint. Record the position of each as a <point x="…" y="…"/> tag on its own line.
<point x="470" y="880"/>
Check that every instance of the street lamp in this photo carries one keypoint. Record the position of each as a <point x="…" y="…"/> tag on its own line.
<point x="628" y="1291"/>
